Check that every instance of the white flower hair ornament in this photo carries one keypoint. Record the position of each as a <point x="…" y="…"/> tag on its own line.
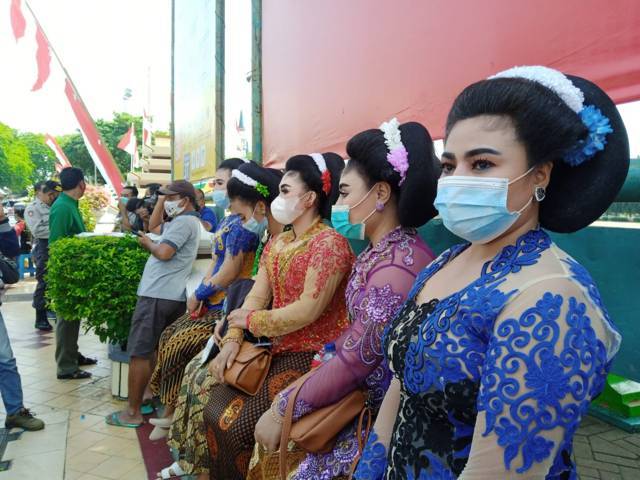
<point x="247" y="180"/>
<point x="398" y="156"/>
<point x="597" y="124"/>
<point x="325" y="174"/>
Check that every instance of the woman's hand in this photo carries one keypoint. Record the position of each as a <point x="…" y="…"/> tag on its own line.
<point x="223" y="360"/>
<point x="217" y="332"/>
<point x="268" y="431"/>
<point x="192" y="303"/>
<point x="238" y="318"/>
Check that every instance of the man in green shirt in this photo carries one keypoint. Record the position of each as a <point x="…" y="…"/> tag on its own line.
<point x="65" y="221"/>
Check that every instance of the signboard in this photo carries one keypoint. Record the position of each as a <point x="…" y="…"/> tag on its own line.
<point x="194" y="107"/>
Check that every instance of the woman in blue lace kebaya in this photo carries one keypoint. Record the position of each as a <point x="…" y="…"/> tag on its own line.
<point x="504" y="340"/>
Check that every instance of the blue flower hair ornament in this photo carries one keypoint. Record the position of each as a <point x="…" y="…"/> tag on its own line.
<point x="599" y="127"/>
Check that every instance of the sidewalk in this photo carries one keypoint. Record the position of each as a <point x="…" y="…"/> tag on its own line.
<point x="76" y="443"/>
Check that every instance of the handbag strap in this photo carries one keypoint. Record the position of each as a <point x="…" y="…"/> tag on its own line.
<point x="286" y="425"/>
<point x="362" y="435"/>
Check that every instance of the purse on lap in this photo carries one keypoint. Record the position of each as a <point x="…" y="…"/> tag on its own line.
<point x="317" y="431"/>
<point x="251" y="365"/>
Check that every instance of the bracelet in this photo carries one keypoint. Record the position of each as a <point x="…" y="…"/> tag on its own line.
<point x="228" y="340"/>
<point x="275" y="417"/>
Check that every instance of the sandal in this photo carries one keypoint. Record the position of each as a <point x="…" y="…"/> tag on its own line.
<point x="114" y="419"/>
<point x="173" y="471"/>
<point x="158" y="433"/>
<point x="85" y="361"/>
<point x="77" y="375"/>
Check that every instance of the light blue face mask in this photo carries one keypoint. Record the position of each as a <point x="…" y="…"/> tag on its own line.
<point x="220" y="198"/>
<point x="257" y="227"/>
<point x="475" y="208"/>
<point x="124" y="200"/>
<point x="342" y="224"/>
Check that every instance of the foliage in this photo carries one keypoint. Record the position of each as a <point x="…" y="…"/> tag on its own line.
<point x="95" y="279"/>
<point x="112" y="132"/>
<point x="43" y="158"/>
<point x="88" y="215"/>
<point x="15" y="164"/>
<point x="96" y="197"/>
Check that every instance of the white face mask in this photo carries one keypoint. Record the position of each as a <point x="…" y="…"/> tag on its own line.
<point x="285" y="210"/>
<point x="172" y="208"/>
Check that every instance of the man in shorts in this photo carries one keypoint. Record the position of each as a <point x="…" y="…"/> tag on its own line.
<point x="162" y="290"/>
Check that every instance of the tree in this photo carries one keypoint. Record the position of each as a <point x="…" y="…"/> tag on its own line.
<point x="16" y="166"/>
<point x="111" y="131"/>
<point x="43" y="158"/>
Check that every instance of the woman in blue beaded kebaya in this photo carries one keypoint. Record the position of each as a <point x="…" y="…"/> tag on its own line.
<point x="504" y="340"/>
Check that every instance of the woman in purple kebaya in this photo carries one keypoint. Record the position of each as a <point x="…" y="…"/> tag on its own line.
<point x="386" y="191"/>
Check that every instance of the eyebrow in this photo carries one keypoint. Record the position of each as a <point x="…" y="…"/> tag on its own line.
<point x="343" y="185"/>
<point x="284" y="185"/>
<point x="473" y="153"/>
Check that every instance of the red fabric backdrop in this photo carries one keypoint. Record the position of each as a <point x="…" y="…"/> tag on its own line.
<point x="332" y="68"/>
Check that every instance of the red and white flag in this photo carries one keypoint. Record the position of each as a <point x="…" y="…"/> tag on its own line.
<point x="63" y="161"/>
<point x="23" y="27"/>
<point x="129" y="144"/>
<point x="146" y="130"/>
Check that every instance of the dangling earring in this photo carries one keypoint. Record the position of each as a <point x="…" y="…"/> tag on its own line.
<point x="379" y="206"/>
<point x="540" y="194"/>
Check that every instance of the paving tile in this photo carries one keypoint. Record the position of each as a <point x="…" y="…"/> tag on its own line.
<point x="628" y="446"/>
<point x="598" y="444"/>
<point x="49" y="466"/>
<point x="86" y="461"/>
<point x="602" y="466"/>
<point x="72" y="474"/>
<point x="587" y="472"/>
<point x="629" y="473"/>
<point x="114" y="468"/>
<point x="613" y="434"/>
<point x="620" y="461"/>
<point x="582" y="450"/>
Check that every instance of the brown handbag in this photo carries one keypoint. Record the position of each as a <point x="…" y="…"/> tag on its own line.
<point x="249" y="369"/>
<point x="317" y="431"/>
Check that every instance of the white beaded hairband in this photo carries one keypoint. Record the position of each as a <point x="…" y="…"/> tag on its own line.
<point x="247" y="180"/>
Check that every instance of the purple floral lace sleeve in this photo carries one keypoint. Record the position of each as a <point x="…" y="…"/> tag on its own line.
<point x="373" y="297"/>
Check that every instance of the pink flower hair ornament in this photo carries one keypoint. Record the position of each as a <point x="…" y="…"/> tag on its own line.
<point x="398" y="157"/>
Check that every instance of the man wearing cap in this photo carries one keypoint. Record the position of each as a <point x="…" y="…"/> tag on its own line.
<point x="162" y="290"/>
<point x="36" y="215"/>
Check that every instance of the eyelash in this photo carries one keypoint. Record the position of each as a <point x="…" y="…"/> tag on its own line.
<point x="448" y="167"/>
<point x="482" y="160"/>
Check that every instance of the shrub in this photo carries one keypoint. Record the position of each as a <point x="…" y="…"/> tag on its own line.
<point x="95" y="279"/>
<point x="88" y="215"/>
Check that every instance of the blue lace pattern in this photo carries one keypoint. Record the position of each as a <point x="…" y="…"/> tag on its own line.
<point x="536" y="372"/>
<point x="373" y="462"/>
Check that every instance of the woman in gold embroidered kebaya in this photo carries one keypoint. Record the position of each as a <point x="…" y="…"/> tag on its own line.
<point x="302" y="275"/>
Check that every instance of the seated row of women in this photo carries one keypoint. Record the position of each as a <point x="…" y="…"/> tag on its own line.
<point x="478" y="364"/>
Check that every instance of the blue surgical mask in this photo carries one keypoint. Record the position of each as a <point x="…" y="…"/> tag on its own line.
<point x="221" y="199"/>
<point x="475" y="208"/>
<point x="256" y="227"/>
<point x="342" y="224"/>
<point x="124" y="200"/>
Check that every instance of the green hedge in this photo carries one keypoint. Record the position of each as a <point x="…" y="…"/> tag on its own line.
<point x="95" y="279"/>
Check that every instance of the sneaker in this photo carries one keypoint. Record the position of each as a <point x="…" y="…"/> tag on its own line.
<point x="44" y="326"/>
<point x="23" y="419"/>
<point x="42" y="323"/>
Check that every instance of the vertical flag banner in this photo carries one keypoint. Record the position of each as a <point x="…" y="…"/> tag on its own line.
<point x="63" y="161"/>
<point x="146" y="130"/>
<point x="22" y="27"/>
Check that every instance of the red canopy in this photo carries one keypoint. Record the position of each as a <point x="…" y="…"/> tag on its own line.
<point x="332" y="68"/>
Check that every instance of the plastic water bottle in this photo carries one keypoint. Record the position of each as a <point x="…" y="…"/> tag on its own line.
<point x="329" y="352"/>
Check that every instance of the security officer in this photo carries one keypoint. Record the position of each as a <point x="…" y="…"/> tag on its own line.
<point x="37" y="218"/>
